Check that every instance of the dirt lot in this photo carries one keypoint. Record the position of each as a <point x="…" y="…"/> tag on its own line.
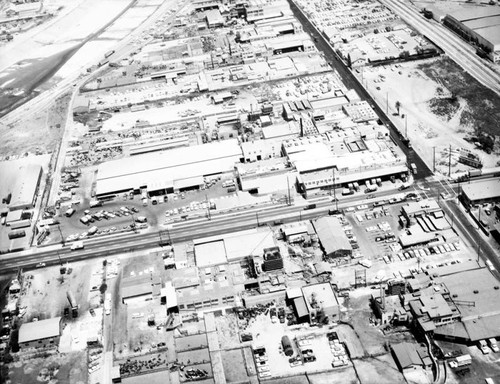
<point x="46" y="294"/>
<point x="443" y="106"/>
<point x="380" y="369"/>
<point x="344" y="376"/>
<point x="371" y="337"/>
<point x="39" y="134"/>
<point x="235" y="368"/>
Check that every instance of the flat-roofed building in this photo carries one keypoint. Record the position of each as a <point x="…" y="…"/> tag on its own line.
<point x="169" y="171"/>
<point x="480" y="192"/>
<point x="214" y="18"/>
<point x="352" y="159"/>
<point x="140" y="287"/>
<point x="321" y="302"/>
<point x="40" y="334"/>
<point x="25" y="189"/>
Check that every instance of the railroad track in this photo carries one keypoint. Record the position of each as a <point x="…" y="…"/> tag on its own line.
<point x="454" y="47"/>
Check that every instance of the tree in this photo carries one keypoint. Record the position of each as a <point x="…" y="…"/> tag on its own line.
<point x="398" y="106"/>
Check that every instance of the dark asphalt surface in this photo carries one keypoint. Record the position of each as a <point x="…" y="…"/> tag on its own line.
<point x="351" y="82"/>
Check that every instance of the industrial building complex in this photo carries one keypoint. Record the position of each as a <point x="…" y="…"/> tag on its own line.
<point x="233" y="202"/>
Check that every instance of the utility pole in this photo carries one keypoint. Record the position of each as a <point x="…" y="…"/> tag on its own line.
<point x="433" y="159"/>
<point x="387" y="103"/>
<point x="289" y="197"/>
<point x="208" y="208"/>
<point x="335" y="191"/>
<point x="63" y="242"/>
<point x="449" y="162"/>
<point x="406" y="126"/>
<point x="478" y="248"/>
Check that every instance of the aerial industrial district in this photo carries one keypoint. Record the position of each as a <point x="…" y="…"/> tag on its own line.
<point x="255" y="191"/>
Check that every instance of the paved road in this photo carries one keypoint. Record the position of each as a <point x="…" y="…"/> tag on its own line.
<point x="459" y="50"/>
<point x="192" y="229"/>
<point x="351" y="82"/>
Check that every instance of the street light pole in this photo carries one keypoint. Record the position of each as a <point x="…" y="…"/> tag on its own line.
<point x="335" y="191"/>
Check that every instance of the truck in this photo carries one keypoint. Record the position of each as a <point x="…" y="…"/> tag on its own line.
<point x="228" y="183"/>
<point x="69" y="212"/>
<point x="365" y="263"/>
<point x="493" y="344"/>
<point x="72" y="303"/>
<point x="347" y="191"/>
<point x="107" y="304"/>
<point x="489" y="264"/>
<point x="461" y="361"/>
<point x="371" y="188"/>
<point x="483" y="346"/>
<point x="310" y="206"/>
<point x="92" y="230"/>
<point x="109" y="53"/>
<point x="16" y="234"/>
<point x="95" y="203"/>
<point x="77" y="245"/>
<point x="413" y="167"/>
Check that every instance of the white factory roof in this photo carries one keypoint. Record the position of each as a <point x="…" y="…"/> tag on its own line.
<point x="234" y="246"/>
<point x="211" y="253"/>
<point x="38" y="330"/>
<point x="480" y="190"/>
<point x="323" y="294"/>
<point x="26" y="185"/>
<point x="164" y="168"/>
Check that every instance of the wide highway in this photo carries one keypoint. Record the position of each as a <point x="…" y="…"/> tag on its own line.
<point x="193" y="229"/>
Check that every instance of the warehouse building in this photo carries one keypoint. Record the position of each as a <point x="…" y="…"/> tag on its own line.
<point x="332" y="237"/>
<point x="25" y="189"/>
<point x="165" y="172"/>
<point x="480" y="26"/>
<point x="232" y="247"/>
<point x="140" y="287"/>
<point x="410" y="356"/>
<point x="350" y="159"/>
<point x="481" y="192"/>
<point x="40" y="334"/>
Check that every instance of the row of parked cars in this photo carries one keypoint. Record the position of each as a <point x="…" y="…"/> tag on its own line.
<point x="102" y="214"/>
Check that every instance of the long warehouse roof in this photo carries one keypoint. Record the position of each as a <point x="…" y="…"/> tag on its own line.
<point x="162" y="170"/>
